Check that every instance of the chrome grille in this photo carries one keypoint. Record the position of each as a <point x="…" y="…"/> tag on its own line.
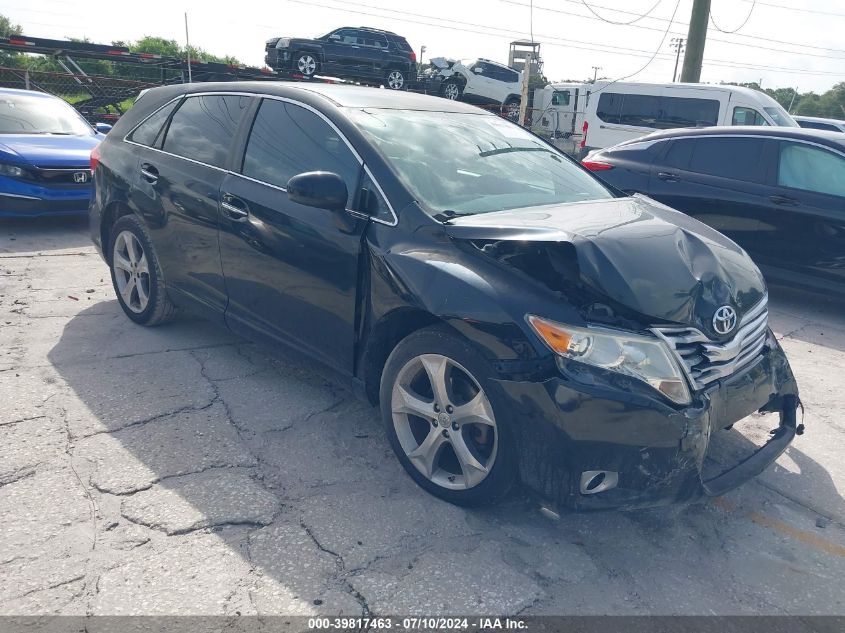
<point x="705" y="360"/>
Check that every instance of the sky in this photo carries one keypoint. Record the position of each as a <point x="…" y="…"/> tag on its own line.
<point x="781" y="43"/>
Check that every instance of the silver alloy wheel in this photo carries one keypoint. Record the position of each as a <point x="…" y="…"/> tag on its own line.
<point x="131" y="271"/>
<point x="307" y="65"/>
<point x="451" y="91"/>
<point x="444" y="422"/>
<point x="395" y="80"/>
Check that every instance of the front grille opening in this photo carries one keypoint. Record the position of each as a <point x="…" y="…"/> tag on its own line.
<point x="705" y="360"/>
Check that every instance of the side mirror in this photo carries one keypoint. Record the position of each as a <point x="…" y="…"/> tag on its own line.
<point x="320" y="189"/>
<point x="102" y="128"/>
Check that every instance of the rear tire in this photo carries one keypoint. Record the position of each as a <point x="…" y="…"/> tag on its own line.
<point x="510" y="109"/>
<point x="136" y="274"/>
<point x="445" y="418"/>
<point x="395" y="79"/>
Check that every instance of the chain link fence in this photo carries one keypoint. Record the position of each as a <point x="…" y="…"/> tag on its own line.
<point x="97" y="98"/>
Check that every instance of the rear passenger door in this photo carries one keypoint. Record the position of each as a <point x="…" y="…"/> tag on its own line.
<point x="178" y="192"/>
<point x="805" y="229"/>
<point x="720" y="180"/>
<point x="292" y="270"/>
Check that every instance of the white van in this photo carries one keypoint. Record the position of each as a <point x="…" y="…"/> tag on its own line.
<point x="614" y="112"/>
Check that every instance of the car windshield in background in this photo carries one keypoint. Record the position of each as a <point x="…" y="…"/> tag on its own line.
<point x="471" y="163"/>
<point x="37" y="115"/>
<point x="780" y="116"/>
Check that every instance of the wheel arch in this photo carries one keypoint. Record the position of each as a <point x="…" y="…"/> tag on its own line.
<point x="111" y="214"/>
<point x="383" y="338"/>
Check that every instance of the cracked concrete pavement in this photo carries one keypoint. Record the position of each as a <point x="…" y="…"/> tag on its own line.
<point x="178" y="470"/>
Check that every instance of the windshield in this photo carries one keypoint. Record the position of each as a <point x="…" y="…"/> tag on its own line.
<point x="21" y="114"/>
<point x="780" y="116"/>
<point x="471" y="163"/>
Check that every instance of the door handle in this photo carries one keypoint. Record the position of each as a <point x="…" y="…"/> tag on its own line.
<point x="149" y="172"/>
<point x="234" y="208"/>
<point x="785" y="200"/>
<point x="666" y="176"/>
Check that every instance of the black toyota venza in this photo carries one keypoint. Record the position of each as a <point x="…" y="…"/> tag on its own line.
<point x="515" y="318"/>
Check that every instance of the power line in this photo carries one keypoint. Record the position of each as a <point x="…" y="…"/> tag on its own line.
<point x="637" y="19"/>
<point x="679" y="23"/>
<point x="798" y="9"/>
<point x="652" y="58"/>
<point x="744" y="22"/>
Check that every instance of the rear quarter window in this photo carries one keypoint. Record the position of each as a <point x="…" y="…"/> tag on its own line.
<point x="203" y="127"/>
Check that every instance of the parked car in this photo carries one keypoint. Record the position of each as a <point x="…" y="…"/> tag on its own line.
<point x="514" y="317"/>
<point x="819" y="123"/>
<point x="478" y="81"/>
<point x="360" y="54"/>
<point x="44" y="150"/>
<point x="605" y="114"/>
<point x="777" y="192"/>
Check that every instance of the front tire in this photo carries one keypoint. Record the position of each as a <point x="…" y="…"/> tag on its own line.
<point x="307" y="64"/>
<point x="136" y="274"/>
<point x="451" y="90"/>
<point x="445" y="419"/>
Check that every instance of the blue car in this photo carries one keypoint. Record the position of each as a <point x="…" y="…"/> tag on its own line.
<point x="45" y="148"/>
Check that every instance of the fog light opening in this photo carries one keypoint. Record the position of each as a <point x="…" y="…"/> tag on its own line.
<point x="594" y="481"/>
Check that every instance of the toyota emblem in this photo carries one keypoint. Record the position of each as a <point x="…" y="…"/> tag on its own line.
<point x="80" y="177"/>
<point x="724" y="321"/>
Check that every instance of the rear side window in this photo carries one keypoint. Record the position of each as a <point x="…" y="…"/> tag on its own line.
<point x="657" y="112"/>
<point x="401" y="43"/>
<point x="680" y="154"/>
<point x="811" y="168"/>
<point x="747" y="116"/>
<point x="203" y="127"/>
<point x="728" y="157"/>
<point x="149" y="131"/>
<point x="287" y="140"/>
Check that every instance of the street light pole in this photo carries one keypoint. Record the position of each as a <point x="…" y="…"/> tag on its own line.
<point x="678" y="45"/>
<point x="188" y="47"/>
<point x="596" y="70"/>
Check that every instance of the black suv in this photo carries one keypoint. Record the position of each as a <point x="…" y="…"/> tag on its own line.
<point x="362" y="54"/>
<point x="515" y="318"/>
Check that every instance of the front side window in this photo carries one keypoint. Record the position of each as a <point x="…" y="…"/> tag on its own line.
<point x="729" y="157"/>
<point x="203" y="127"/>
<point x="747" y="116"/>
<point x="470" y="163"/>
<point x="287" y="139"/>
<point x="22" y="114"/>
<point x="561" y="97"/>
<point x="149" y="131"/>
<point x="811" y="168"/>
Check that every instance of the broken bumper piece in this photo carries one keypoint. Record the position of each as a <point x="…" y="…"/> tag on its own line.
<point x="592" y="439"/>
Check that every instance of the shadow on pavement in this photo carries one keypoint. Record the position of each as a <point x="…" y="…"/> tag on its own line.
<point x="45" y="234"/>
<point x="276" y="464"/>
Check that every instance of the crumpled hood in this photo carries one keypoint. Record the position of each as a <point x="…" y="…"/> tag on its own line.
<point x="655" y="261"/>
<point x="46" y="150"/>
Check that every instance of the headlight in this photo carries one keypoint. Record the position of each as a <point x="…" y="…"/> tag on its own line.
<point x="13" y="171"/>
<point x="643" y="357"/>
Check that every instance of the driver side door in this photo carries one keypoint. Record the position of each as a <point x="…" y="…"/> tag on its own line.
<point x="292" y="271"/>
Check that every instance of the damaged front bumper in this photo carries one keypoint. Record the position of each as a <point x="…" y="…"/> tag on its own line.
<point x="632" y="448"/>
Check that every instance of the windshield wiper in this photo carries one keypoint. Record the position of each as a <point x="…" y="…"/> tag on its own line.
<point x="449" y="214"/>
<point x="508" y="150"/>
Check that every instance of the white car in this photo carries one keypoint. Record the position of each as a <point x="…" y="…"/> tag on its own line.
<point x="478" y="81"/>
<point x="819" y="123"/>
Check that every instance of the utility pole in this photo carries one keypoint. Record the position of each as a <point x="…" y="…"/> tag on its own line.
<point x="526" y="78"/>
<point x="188" y="47"/>
<point x="596" y="70"/>
<point x="678" y="45"/>
<point x="696" y="38"/>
